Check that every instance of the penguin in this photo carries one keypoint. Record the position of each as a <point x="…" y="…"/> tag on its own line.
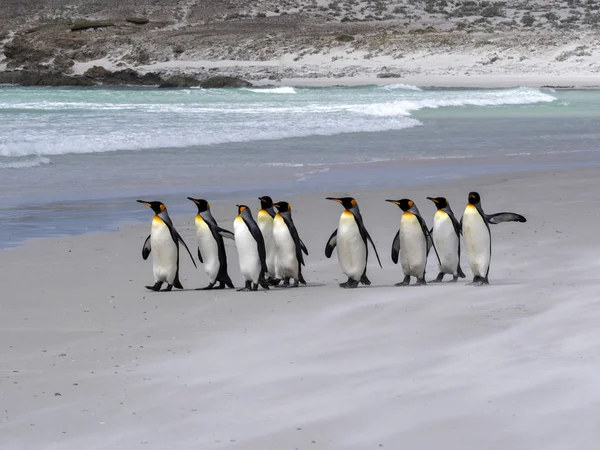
<point x="413" y="241"/>
<point x="351" y="240"/>
<point x="446" y="237"/>
<point x="264" y="218"/>
<point x="475" y="225"/>
<point x="164" y="241"/>
<point x="211" y="248"/>
<point x="251" y="250"/>
<point x="288" y="245"/>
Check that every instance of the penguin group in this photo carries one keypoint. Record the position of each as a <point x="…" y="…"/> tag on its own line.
<point x="271" y="252"/>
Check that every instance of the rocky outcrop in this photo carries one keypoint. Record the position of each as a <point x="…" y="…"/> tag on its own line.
<point x="224" y="82"/>
<point x="129" y="77"/>
<point x="178" y="81"/>
<point x="41" y="78"/>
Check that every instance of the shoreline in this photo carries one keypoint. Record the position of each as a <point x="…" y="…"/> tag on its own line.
<point x="115" y="225"/>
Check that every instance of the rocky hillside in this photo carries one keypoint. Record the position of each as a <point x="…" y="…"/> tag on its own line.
<point x="304" y="37"/>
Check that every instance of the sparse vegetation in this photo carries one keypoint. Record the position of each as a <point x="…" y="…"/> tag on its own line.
<point x="344" y="38"/>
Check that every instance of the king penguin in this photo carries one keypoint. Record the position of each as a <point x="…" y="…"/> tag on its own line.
<point x="446" y="237"/>
<point x="288" y="246"/>
<point x="412" y="242"/>
<point x="264" y="218"/>
<point x="211" y="248"/>
<point x="164" y="243"/>
<point x="251" y="250"/>
<point x="351" y="240"/>
<point x="478" y="238"/>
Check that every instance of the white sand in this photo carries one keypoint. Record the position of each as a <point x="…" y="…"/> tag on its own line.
<point x="91" y="360"/>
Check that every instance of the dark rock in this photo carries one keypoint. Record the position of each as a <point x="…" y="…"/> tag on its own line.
<point x="178" y="81"/>
<point x="137" y="20"/>
<point x="48" y="78"/>
<point x="121" y="77"/>
<point x="224" y="82"/>
<point x="89" y="24"/>
<point x="63" y="64"/>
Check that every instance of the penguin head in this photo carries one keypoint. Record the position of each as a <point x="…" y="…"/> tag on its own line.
<point x="266" y="202"/>
<point x="157" y="207"/>
<point x="243" y="210"/>
<point x="440" y="202"/>
<point x="202" y="204"/>
<point x="346" y="202"/>
<point x="282" y="206"/>
<point x="474" y="198"/>
<point x="405" y="204"/>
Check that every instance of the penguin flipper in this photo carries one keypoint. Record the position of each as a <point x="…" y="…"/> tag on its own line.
<point x="180" y="239"/>
<point x="303" y="247"/>
<point x="505" y="217"/>
<point x="331" y="243"/>
<point x="146" y="248"/>
<point x="365" y="235"/>
<point x="364" y="280"/>
<point x="226" y="233"/>
<point x="200" y="256"/>
<point x="396" y="247"/>
<point x="428" y="238"/>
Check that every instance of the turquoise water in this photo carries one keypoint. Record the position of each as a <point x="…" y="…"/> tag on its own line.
<point x="66" y="154"/>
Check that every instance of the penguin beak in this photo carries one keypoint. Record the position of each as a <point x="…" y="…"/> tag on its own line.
<point x="432" y="199"/>
<point x="395" y="202"/>
<point x="193" y="199"/>
<point x="334" y="199"/>
<point x="144" y="202"/>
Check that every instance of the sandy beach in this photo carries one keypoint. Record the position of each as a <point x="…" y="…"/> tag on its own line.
<point x="90" y="359"/>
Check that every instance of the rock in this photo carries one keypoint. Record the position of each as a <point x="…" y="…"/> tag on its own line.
<point x="137" y="20"/>
<point x="63" y="64"/>
<point x="89" y="24"/>
<point x="48" y="78"/>
<point x="178" y="81"/>
<point x="224" y="82"/>
<point x="121" y="77"/>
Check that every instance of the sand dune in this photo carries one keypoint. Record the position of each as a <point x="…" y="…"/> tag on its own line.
<point x="90" y="359"/>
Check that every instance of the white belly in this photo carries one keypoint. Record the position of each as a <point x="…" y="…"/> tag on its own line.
<point x="351" y="249"/>
<point x="247" y="249"/>
<point x="285" y="247"/>
<point x="446" y="242"/>
<point x="164" y="252"/>
<point x="413" y="246"/>
<point x="477" y="241"/>
<point x="265" y="224"/>
<point x="208" y="249"/>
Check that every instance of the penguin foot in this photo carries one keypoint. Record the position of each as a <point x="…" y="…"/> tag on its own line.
<point x="220" y="286"/>
<point x="168" y="288"/>
<point x="286" y="281"/>
<point x="247" y="286"/>
<point x="404" y="282"/>
<point x="254" y="287"/>
<point x="273" y="281"/>
<point x="350" y="284"/>
<point x="296" y="282"/>
<point x="454" y="279"/>
<point x="156" y="286"/>
<point x="421" y="282"/>
<point x="439" y="278"/>
<point x="479" y="281"/>
<point x="209" y="287"/>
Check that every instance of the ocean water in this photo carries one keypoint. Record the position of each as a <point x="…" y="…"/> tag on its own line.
<point x="73" y="160"/>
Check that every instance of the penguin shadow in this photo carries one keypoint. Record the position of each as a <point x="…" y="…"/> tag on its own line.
<point x="302" y="286"/>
